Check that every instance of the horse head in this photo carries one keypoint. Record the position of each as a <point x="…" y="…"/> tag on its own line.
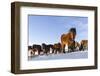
<point x="72" y="32"/>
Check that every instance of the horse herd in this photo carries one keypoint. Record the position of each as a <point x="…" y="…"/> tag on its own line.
<point x="67" y="45"/>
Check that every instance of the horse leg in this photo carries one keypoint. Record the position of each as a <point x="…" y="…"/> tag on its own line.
<point x="38" y="52"/>
<point x="74" y="46"/>
<point x="55" y="51"/>
<point x="66" y="48"/>
<point x="59" y="50"/>
<point x="46" y="52"/>
<point x="33" y="52"/>
<point x="52" y="50"/>
<point x="63" y="48"/>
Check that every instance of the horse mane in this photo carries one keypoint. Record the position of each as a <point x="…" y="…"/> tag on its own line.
<point x="73" y="30"/>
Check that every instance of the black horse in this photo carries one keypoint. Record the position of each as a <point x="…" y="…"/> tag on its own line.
<point x="46" y="48"/>
<point x="37" y="48"/>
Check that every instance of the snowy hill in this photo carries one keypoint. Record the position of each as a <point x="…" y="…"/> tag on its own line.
<point x="72" y="55"/>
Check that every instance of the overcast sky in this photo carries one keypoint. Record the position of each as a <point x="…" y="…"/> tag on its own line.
<point x="48" y="29"/>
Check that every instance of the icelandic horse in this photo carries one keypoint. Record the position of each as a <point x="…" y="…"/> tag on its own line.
<point x="83" y="45"/>
<point x="68" y="39"/>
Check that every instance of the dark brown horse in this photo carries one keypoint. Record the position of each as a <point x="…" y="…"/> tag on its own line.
<point x="30" y="51"/>
<point x="74" y="47"/>
<point x="46" y="48"/>
<point x="37" y="48"/>
<point x="57" y="48"/>
<point x="68" y="39"/>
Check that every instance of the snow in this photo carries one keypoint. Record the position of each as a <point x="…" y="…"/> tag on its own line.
<point x="72" y="55"/>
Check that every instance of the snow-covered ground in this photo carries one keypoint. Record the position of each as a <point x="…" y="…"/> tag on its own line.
<point x="72" y="55"/>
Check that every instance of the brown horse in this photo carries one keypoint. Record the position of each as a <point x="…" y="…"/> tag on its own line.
<point x="57" y="48"/>
<point x="68" y="39"/>
<point x="83" y="45"/>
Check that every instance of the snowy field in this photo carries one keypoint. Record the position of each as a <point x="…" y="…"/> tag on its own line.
<point x="72" y="55"/>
